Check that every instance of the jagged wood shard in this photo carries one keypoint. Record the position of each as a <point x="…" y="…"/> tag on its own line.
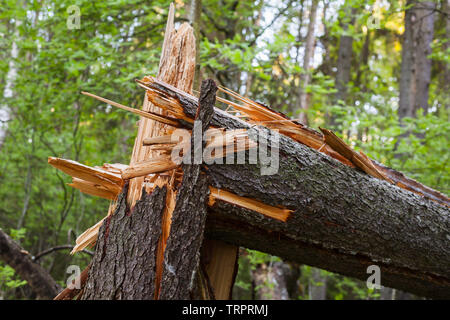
<point x="144" y="168"/>
<point x="258" y="206"/>
<point x="110" y="181"/>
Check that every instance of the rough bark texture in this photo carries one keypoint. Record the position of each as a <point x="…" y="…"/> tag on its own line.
<point x="40" y="281"/>
<point x="344" y="219"/>
<point x="123" y="266"/>
<point x="416" y="66"/>
<point x="338" y="210"/>
<point x="182" y="253"/>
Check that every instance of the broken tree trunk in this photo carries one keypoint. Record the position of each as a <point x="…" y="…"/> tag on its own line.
<point x="338" y="213"/>
<point x="182" y="253"/>
<point x="40" y="281"/>
<point x="125" y="261"/>
<point x="125" y="253"/>
<point x="343" y="220"/>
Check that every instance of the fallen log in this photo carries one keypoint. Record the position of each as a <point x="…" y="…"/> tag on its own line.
<point x="183" y="105"/>
<point x="39" y="280"/>
<point x="338" y="210"/>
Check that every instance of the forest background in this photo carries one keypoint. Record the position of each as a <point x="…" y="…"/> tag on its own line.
<point x="376" y="72"/>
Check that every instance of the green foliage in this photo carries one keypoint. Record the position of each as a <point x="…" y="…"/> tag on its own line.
<point x="8" y="280"/>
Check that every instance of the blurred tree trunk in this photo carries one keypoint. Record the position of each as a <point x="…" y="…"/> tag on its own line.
<point x="276" y="281"/>
<point x="305" y="77"/>
<point x="395" y="294"/>
<point x="195" y="12"/>
<point x="445" y="77"/>
<point x="415" y="71"/>
<point x="363" y="64"/>
<point x="317" y="285"/>
<point x="11" y="76"/>
<point x="361" y="76"/>
<point x="344" y="60"/>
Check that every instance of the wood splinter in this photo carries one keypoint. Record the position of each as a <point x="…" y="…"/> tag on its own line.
<point x="166" y="139"/>
<point x="143" y="168"/>
<point x="281" y="214"/>
<point x="145" y="114"/>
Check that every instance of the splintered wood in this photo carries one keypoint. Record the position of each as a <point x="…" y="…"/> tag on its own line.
<point x="89" y="177"/>
<point x="146" y="114"/>
<point x="281" y="214"/>
<point x="177" y="67"/>
<point x="259" y="114"/>
<point x="359" y="160"/>
<point x="154" y="165"/>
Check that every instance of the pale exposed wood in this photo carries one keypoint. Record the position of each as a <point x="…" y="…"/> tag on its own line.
<point x="227" y="142"/>
<point x="154" y="165"/>
<point x="219" y="259"/>
<point x="110" y="181"/>
<point x="87" y="238"/>
<point x="145" y="114"/>
<point x="113" y="167"/>
<point x="258" y="206"/>
<point x="260" y="114"/>
<point x="360" y="160"/>
<point x="177" y="67"/>
<point x="92" y="189"/>
<point x="168" y="139"/>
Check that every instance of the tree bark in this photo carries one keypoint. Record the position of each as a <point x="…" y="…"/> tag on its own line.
<point x="343" y="221"/>
<point x="338" y="209"/>
<point x="416" y="66"/>
<point x="124" y="265"/>
<point x="182" y="254"/>
<point x="40" y="281"/>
